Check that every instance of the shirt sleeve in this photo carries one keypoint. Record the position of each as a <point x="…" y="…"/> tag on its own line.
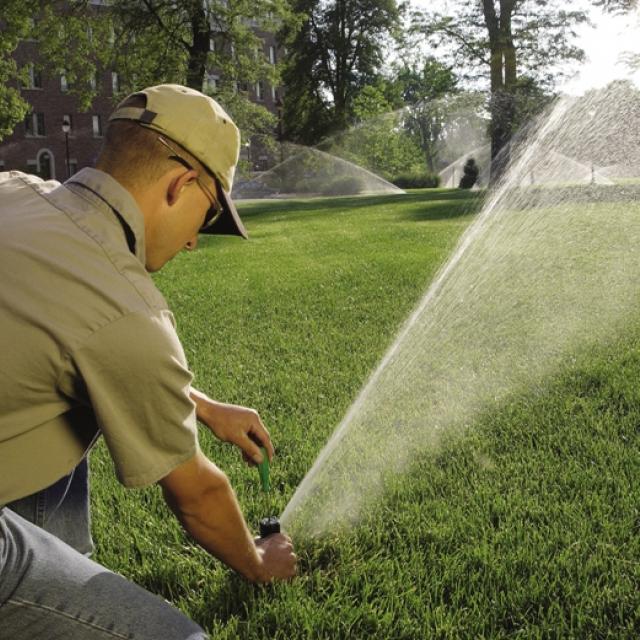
<point x="138" y="383"/>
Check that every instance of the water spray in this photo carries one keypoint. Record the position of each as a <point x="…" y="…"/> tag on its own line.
<point x="542" y="275"/>
<point x="271" y="523"/>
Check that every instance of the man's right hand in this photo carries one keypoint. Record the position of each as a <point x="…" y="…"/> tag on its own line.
<point x="203" y="500"/>
<point x="279" y="561"/>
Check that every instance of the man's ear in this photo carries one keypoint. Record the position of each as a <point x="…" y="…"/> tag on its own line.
<point x="178" y="184"/>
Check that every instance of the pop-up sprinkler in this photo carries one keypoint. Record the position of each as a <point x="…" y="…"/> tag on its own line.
<point x="270" y="524"/>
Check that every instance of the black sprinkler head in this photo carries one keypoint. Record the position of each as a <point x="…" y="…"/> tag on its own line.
<point x="269" y="526"/>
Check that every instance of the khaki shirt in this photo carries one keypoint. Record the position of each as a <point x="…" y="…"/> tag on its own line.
<point x="87" y="343"/>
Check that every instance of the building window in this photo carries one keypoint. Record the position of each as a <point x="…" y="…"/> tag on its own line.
<point x="34" y="124"/>
<point x="39" y="122"/>
<point x="45" y="165"/>
<point x="212" y="44"/>
<point x="97" y="126"/>
<point x="35" y="78"/>
<point x="260" y="90"/>
<point x="1" y="165"/>
<point x="64" y="83"/>
<point x="32" y="167"/>
<point x="93" y="81"/>
<point x="211" y="83"/>
<point x="73" y="166"/>
<point x="272" y="54"/>
<point x="115" y="82"/>
<point x="274" y="95"/>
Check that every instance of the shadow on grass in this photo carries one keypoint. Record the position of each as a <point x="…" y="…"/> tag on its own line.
<point x="444" y="210"/>
<point x="438" y="204"/>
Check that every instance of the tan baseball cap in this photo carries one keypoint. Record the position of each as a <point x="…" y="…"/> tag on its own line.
<point x="202" y="127"/>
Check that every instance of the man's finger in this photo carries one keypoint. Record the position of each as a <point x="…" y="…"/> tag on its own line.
<point x="260" y="436"/>
<point x="250" y="446"/>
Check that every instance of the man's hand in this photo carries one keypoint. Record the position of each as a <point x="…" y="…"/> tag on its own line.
<point x="278" y="559"/>
<point x="231" y="423"/>
<point x="205" y="504"/>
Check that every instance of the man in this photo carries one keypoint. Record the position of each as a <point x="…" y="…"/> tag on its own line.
<point x="89" y="347"/>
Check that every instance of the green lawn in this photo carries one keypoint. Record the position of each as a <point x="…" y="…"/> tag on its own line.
<point x="527" y="526"/>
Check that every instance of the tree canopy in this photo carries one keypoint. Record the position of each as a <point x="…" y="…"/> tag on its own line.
<point x="335" y="49"/>
<point x="514" y="44"/>
<point x="335" y="72"/>
<point x="146" y="43"/>
<point x="15" y="27"/>
<point x="65" y="34"/>
<point x="616" y="6"/>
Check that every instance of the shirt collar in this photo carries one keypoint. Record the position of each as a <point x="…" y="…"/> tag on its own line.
<point x="102" y="189"/>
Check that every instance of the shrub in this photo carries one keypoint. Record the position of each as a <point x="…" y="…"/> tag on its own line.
<point x="471" y="171"/>
<point x="344" y="186"/>
<point x="416" y="180"/>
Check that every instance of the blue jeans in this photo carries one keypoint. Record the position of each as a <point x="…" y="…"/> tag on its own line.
<point x="50" y="590"/>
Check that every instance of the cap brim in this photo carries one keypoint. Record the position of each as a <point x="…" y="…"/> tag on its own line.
<point x="229" y="223"/>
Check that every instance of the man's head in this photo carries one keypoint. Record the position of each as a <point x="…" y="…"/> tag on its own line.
<point x="175" y="150"/>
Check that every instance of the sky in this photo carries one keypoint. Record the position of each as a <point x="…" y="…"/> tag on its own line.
<point x="603" y="43"/>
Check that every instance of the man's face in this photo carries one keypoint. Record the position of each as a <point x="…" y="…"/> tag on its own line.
<point x="176" y="225"/>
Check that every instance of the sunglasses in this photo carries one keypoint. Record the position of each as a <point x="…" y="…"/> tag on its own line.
<point x="215" y="210"/>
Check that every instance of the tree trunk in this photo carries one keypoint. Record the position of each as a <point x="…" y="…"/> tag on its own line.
<point x="340" y="97"/>
<point x="503" y="81"/>
<point x="509" y="50"/>
<point x="199" y="50"/>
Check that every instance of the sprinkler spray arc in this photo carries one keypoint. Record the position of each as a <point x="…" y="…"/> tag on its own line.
<point x="542" y="274"/>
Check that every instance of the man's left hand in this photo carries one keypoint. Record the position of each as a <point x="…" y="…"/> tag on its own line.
<point x="235" y="424"/>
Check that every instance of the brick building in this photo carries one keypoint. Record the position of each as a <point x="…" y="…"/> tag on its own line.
<point x="261" y="93"/>
<point x="40" y="145"/>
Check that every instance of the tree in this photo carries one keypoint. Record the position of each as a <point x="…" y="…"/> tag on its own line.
<point x="616" y="6"/>
<point x="150" y="42"/>
<point x="377" y="141"/>
<point x="166" y="41"/>
<point x="430" y="81"/>
<point x="334" y="51"/>
<point x="15" y="26"/>
<point x="424" y="90"/>
<point x="446" y="127"/>
<point x="182" y="41"/>
<point x="166" y="38"/>
<point x="507" y="40"/>
<point x="414" y="120"/>
<point x="64" y="31"/>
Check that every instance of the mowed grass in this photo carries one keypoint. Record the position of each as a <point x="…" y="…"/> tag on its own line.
<point x="526" y="526"/>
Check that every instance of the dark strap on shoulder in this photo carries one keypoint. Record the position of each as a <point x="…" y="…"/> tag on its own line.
<point x="128" y="233"/>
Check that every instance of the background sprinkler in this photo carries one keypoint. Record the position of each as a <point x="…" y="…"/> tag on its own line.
<point x="271" y="523"/>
